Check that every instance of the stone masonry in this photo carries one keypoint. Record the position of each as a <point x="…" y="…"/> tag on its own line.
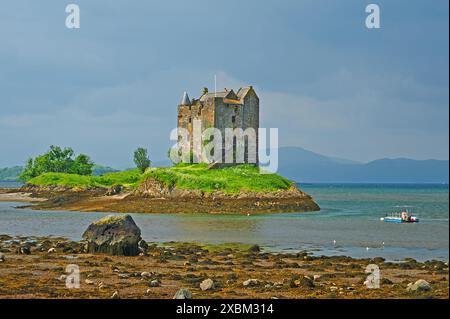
<point x="225" y="109"/>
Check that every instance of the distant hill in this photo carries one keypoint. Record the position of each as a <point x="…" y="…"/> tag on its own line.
<point x="12" y="173"/>
<point x="162" y="163"/>
<point x="305" y="166"/>
<point x="302" y="165"/>
<point x="100" y="170"/>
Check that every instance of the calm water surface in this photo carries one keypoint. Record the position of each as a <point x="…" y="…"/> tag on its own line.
<point x="350" y="216"/>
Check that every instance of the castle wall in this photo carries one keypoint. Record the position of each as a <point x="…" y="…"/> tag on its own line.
<point x="251" y="115"/>
<point x="224" y="119"/>
<point x="225" y="113"/>
<point x="214" y="112"/>
<point x="197" y="111"/>
<point x="188" y="113"/>
<point x="245" y="116"/>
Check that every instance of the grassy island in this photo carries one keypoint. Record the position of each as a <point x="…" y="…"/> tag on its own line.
<point x="60" y="180"/>
<point x="183" y="176"/>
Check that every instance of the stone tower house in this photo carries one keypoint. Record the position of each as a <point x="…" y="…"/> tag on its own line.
<point x="221" y="110"/>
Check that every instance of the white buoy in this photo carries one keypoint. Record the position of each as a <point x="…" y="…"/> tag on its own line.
<point x="334" y="242"/>
<point x="367" y="248"/>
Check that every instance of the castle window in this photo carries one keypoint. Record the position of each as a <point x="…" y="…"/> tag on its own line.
<point x="190" y="120"/>
<point x="233" y="119"/>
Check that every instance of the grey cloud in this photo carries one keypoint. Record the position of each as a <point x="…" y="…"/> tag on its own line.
<point x="326" y="81"/>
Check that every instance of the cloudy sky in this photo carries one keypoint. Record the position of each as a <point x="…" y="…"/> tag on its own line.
<point x="326" y="81"/>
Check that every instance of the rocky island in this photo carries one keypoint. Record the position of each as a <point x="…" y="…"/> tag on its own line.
<point x="185" y="188"/>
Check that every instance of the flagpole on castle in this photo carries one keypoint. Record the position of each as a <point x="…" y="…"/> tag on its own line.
<point x="215" y="85"/>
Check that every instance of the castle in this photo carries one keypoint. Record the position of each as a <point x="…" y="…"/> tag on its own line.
<point x="222" y="110"/>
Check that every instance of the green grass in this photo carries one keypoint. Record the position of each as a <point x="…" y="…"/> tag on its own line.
<point x="13" y="173"/>
<point x="110" y="219"/>
<point x="125" y="178"/>
<point x="229" y="179"/>
<point x="230" y="246"/>
<point x="193" y="177"/>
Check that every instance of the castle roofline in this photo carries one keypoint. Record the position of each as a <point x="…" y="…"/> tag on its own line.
<point x="229" y="96"/>
<point x="185" y="100"/>
<point x="242" y="92"/>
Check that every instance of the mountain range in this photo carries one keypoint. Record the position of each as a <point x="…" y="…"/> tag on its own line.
<point x="304" y="166"/>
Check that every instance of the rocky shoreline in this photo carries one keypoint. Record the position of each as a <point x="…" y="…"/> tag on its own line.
<point x="152" y="197"/>
<point x="39" y="267"/>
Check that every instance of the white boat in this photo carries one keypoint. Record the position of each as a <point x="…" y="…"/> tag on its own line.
<point x="404" y="216"/>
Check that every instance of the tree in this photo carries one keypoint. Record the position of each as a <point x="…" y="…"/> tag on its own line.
<point x="82" y="165"/>
<point x="57" y="160"/>
<point x="141" y="159"/>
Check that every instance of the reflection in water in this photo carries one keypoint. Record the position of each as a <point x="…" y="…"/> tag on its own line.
<point x="200" y="227"/>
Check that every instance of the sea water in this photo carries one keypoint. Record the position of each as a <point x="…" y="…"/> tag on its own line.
<point x="348" y="223"/>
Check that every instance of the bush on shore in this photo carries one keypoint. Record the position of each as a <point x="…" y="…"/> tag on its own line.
<point x="57" y="160"/>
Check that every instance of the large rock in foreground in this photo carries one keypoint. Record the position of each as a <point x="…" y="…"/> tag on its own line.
<point x="114" y="235"/>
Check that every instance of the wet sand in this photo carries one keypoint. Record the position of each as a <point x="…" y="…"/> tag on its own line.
<point x="15" y="196"/>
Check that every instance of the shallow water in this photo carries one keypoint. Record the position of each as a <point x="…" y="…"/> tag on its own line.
<point x="8" y="184"/>
<point x="350" y="216"/>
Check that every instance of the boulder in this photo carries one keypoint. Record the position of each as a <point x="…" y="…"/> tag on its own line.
<point x="254" y="249"/>
<point x="143" y="247"/>
<point x="146" y="274"/>
<point x="207" y="284"/>
<point x="114" y="190"/>
<point x="183" y="294"/>
<point x="23" y="250"/>
<point x="251" y="282"/>
<point x="297" y="281"/>
<point x="114" y="235"/>
<point x="419" y="285"/>
<point x="305" y="282"/>
<point x="115" y="295"/>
